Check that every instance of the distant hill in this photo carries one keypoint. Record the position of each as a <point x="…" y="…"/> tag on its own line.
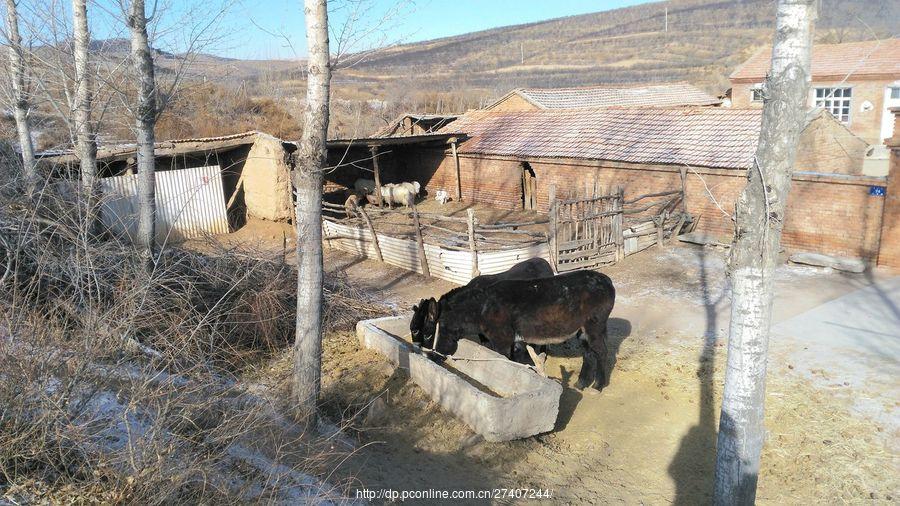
<point x="704" y="41"/>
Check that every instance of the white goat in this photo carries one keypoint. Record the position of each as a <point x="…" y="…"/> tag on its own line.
<point x="413" y="187"/>
<point x="391" y="193"/>
<point x="397" y="194"/>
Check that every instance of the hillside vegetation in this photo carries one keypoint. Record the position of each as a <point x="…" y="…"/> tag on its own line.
<point x="705" y="40"/>
<point x="701" y="43"/>
<point x="697" y="41"/>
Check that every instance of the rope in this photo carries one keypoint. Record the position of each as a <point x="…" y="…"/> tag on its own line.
<point x="437" y="333"/>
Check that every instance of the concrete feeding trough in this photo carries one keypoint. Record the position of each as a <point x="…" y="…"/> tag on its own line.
<point x="498" y="399"/>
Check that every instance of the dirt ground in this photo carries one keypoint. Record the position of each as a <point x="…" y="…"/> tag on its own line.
<point x="649" y="437"/>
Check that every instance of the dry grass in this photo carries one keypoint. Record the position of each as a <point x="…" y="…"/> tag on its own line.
<point x="119" y="385"/>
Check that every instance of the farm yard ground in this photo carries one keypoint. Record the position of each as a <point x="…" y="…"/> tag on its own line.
<point x="650" y="436"/>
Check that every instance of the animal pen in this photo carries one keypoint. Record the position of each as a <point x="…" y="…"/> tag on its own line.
<point x="577" y="233"/>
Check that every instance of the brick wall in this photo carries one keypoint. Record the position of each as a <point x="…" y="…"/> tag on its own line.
<point x="826" y="213"/>
<point x="889" y="255"/>
<point x="514" y="102"/>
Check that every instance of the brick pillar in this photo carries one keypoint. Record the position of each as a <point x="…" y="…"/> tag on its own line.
<point x="889" y="249"/>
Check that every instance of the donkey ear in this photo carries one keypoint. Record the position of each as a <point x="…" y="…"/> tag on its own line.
<point x="434" y="309"/>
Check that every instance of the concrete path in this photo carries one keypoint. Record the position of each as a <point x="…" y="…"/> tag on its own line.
<point x="851" y="345"/>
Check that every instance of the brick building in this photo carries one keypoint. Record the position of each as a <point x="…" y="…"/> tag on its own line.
<point x="857" y="82"/>
<point x="833" y="208"/>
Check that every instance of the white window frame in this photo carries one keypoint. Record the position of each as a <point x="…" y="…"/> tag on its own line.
<point x="757" y="88"/>
<point x="825" y="98"/>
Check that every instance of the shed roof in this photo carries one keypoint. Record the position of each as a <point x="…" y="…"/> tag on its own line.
<point x="162" y="148"/>
<point x="644" y="95"/>
<point x="395" y="125"/>
<point x="442" y="137"/>
<point x="877" y="58"/>
<point x="701" y="136"/>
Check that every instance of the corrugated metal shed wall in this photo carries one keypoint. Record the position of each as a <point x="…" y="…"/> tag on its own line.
<point x="189" y="203"/>
<point x="450" y="265"/>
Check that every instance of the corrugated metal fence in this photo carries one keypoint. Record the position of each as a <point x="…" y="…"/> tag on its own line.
<point x="189" y="203"/>
<point x="450" y="265"/>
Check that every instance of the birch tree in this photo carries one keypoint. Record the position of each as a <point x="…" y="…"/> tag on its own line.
<point x="20" y="103"/>
<point x="85" y="138"/>
<point x="145" y="122"/>
<point x="308" y="178"/>
<point x="759" y="219"/>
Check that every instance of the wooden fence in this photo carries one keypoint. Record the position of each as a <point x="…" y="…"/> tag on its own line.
<point x="448" y="247"/>
<point x="587" y="232"/>
<point x="578" y="233"/>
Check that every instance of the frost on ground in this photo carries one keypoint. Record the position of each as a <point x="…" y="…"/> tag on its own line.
<point x="121" y="384"/>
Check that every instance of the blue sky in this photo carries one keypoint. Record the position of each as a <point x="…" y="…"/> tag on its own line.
<point x="250" y="21"/>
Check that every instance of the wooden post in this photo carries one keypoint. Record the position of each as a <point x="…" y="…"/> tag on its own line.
<point x="420" y="242"/>
<point x="683" y="172"/>
<point x="659" y="220"/>
<point x="368" y="221"/>
<point x="378" y="199"/>
<point x="237" y="188"/>
<point x="677" y="230"/>
<point x="472" y="247"/>
<point x="456" y="162"/>
<point x="619" y="223"/>
<point x="554" y="256"/>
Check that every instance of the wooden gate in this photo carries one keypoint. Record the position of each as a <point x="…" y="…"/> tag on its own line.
<point x="586" y="232"/>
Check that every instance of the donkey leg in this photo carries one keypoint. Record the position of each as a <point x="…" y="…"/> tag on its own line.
<point x="600" y="346"/>
<point x="519" y="352"/>
<point x="589" y="362"/>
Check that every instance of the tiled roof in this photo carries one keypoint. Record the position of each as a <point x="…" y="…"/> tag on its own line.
<point x="650" y="95"/>
<point x="873" y="58"/>
<point x="697" y="136"/>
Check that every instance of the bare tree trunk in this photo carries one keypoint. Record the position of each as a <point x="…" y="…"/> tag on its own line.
<point x="145" y="122"/>
<point x="310" y="159"/>
<point x="759" y="219"/>
<point x="85" y="139"/>
<point x="20" y="100"/>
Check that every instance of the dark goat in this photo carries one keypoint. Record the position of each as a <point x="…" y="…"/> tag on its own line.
<point x="421" y="326"/>
<point x="538" y="311"/>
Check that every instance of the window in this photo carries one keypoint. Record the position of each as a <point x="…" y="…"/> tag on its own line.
<point x="836" y="101"/>
<point x="756" y="93"/>
<point x="895" y="92"/>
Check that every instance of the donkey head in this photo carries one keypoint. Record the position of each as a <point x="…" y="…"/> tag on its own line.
<point x="423" y="322"/>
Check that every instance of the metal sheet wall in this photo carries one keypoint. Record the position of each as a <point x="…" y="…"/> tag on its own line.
<point x="189" y="203"/>
<point x="450" y="265"/>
